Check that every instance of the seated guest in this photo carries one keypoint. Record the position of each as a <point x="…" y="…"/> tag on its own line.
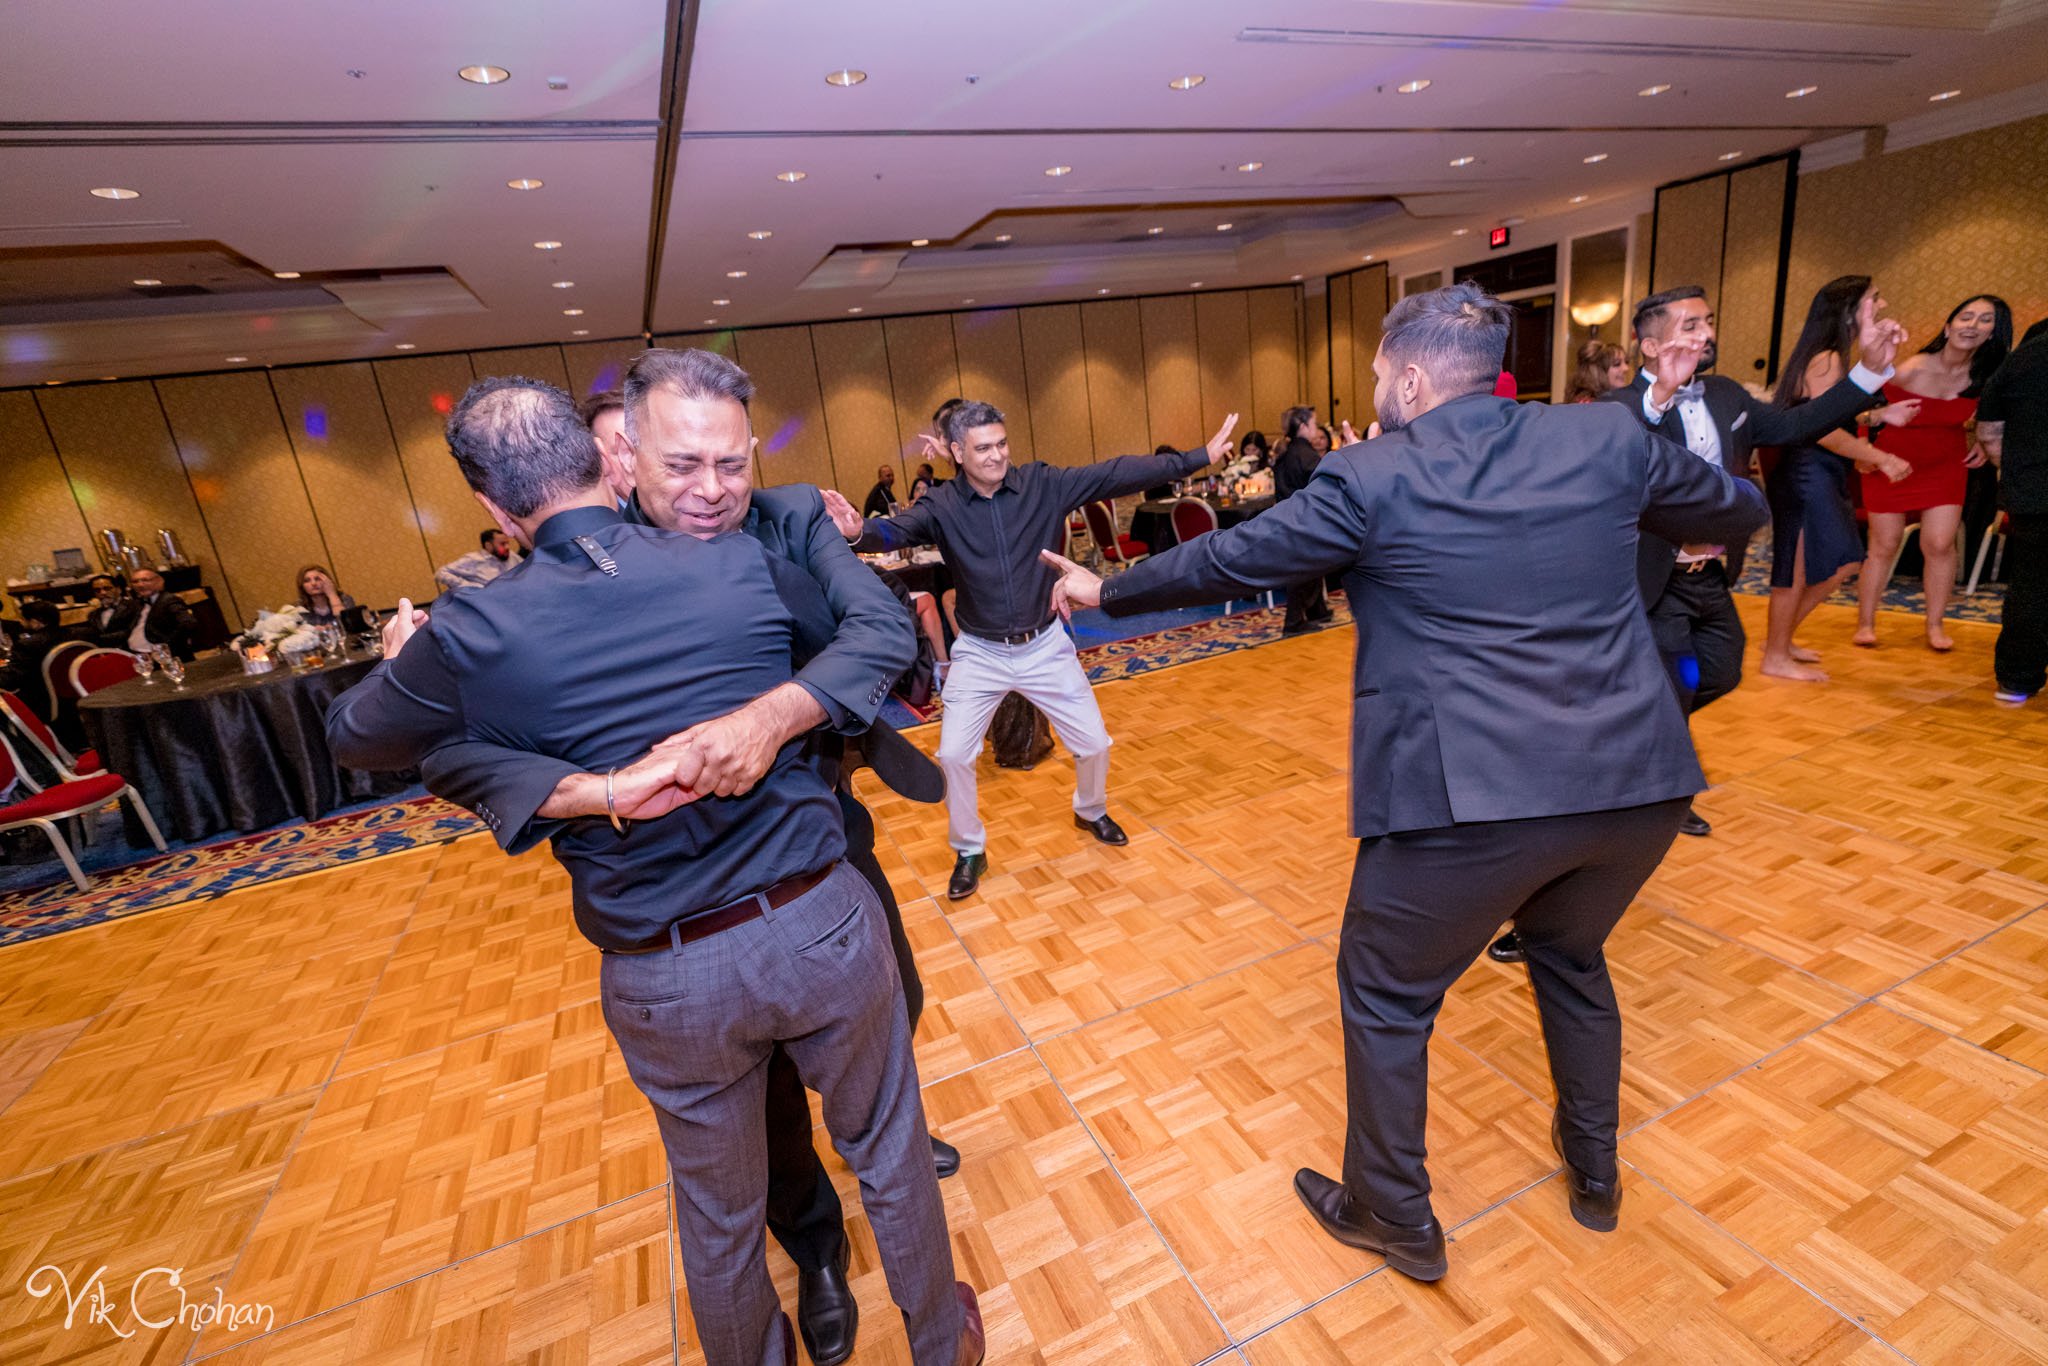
<point x="1256" y="448"/>
<point x="151" y="617"/>
<point x="1602" y="366"/>
<point x="882" y="497"/>
<point x="922" y="485"/>
<point x="107" y="600"/>
<point x="321" y="597"/>
<point x="22" y="673"/>
<point x="495" y="553"/>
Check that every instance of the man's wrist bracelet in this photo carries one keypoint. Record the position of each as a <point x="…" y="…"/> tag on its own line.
<point x="611" y="807"/>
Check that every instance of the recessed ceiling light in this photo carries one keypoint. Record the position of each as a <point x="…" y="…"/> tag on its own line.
<point x="1185" y="82"/>
<point x="405" y="346"/>
<point x="1944" y="95"/>
<point x="967" y="301"/>
<point x="523" y="183"/>
<point x="115" y="192"/>
<point x="1728" y="156"/>
<point x="147" y="283"/>
<point x="709" y="321"/>
<point x="564" y="284"/>
<point x="1653" y="90"/>
<point x="484" y="75"/>
<point x="1294" y="277"/>
<point x="761" y="234"/>
<point x="1058" y="170"/>
<point x="237" y="360"/>
<point x="1594" y="159"/>
<point x="1225" y="227"/>
<point x="1463" y="161"/>
<point x="548" y="246"/>
<point x="1414" y="87"/>
<point x="1102" y="291"/>
<point x="572" y="312"/>
<point x="1801" y="93"/>
<point x="1459" y="232"/>
<point x="1154" y="232"/>
<point x="1579" y="199"/>
<point x="287" y="274"/>
<point x="721" y="303"/>
<point x="1366" y="257"/>
<point x="853" y="310"/>
<point x="1194" y="284"/>
<point x="790" y="177"/>
<point x="920" y="241"/>
<point x="845" y="76"/>
<point x="735" y="275"/>
<point x="1002" y="237"/>
<point x="1251" y="165"/>
<point x="580" y="332"/>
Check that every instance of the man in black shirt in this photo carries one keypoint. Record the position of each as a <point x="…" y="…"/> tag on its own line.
<point x="1307" y="605"/>
<point x="2012" y="426"/>
<point x="711" y="871"/>
<point x="882" y="497"/>
<point x="990" y="523"/>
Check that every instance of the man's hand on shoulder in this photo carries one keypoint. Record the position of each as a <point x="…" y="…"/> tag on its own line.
<point x="844" y="515"/>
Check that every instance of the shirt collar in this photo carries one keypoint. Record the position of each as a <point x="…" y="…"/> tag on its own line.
<point x="567" y="526"/>
<point x="1009" y="485"/>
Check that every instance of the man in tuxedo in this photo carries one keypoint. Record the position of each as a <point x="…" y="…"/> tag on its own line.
<point x="1307" y="605"/>
<point x="1514" y="750"/>
<point x="882" y="497"/>
<point x="107" y="603"/>
<point x="153" y="617"/>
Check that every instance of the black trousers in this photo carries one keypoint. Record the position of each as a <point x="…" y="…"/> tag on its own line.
<point x="1423" y="904"/>
<point x="2020" y="661"/>
<point x="804" y="1212"/>
<point x="1700" y="634"/>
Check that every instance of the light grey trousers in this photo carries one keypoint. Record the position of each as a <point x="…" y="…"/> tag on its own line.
<point x="696" y="1025"/>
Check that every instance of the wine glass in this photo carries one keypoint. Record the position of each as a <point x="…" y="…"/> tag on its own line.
<point x="145" y="665"/>
<point x="174" y="669"/>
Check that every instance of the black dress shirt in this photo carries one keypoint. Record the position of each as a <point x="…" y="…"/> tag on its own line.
<point x="560" y="658"/>
<point x="2018" y="396"/>
<point x="991" y="544"/>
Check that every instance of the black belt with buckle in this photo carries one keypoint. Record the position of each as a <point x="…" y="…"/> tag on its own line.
<point x="1020" y="638"/>
<point x="691" y="928"/>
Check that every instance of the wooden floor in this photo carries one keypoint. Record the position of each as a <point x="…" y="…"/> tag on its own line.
<point x="381" y="1101"/>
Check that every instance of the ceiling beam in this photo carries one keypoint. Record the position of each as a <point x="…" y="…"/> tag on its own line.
<point x="675" y="81"/>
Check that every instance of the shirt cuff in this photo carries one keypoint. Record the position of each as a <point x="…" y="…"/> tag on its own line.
<point x="1650" y="409"/>
<point x="1868" y="380"/>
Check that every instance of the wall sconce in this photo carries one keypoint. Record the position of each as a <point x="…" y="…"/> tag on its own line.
<point x="1595" y="314"/>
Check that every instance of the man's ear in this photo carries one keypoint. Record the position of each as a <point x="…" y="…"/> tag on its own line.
<point x="502" y="518"/>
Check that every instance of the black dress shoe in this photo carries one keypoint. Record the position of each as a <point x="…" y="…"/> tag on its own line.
<point x="1595" y="1204"/>
<point x="967" y="871"/>
<point x="1415" y="1252"/>
<point x="1694" y="824"/>
<point x="1506" y="949"/>
<point x="1300" y="628"/>
<point x="826" y="1313"/>
<point x="945" y="1159"/>
<point x="1103" y="828"/>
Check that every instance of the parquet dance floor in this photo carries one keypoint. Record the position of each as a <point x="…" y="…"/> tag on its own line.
<point x="379" y="1101"/>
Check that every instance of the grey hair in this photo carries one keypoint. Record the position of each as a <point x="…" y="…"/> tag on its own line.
<point x="1457" y="335"/>
<point x="521" y="444"/>
<point x="967" y="417"/>
<point x="692" y="374"/>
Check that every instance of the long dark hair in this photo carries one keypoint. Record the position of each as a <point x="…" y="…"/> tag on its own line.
<point x="1830" y="326"/>
<point x="305" y="601"/>
<point x="1984" y="364"/>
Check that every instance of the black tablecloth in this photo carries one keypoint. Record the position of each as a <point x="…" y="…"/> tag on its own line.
<point x="233" y="751"/>
<point x="1152" y="522"/>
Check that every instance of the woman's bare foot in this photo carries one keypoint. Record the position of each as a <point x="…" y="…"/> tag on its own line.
<point x="1866" y="636"/>
<point x="1938" y="640"/>
<point x="1805" y="656"/>
<point x="1788" y="666"/>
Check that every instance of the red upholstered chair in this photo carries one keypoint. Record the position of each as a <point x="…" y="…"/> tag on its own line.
<point x="1192" y="517"/>
<point x="43" y="808"/>
<point x="44" y="741"/>
<point x="57" y="672"/>
<point x="1117" y="549"/>
<point x="96" y="669"/>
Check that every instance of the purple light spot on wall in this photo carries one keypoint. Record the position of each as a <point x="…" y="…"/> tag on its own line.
<point x="607" y="378"/>
<point x="784" y="434"/>
<point x="316" y="423"/>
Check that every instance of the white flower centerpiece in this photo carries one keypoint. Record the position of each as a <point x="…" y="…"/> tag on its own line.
<point x="283" y="632"/>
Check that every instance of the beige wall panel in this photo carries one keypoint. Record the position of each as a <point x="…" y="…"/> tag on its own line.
<point x="1173" y="370"/>
<point x="1340" y="405"/>
<point x="534" y="362"/>
<point x="1276" y="357"/>
<point x="860" y="410"/>
<point x="1055" y="372"/>
<point x="1117" y="382"/>
<point x="1316" y="349"/>
<point x="38" y="513"/>
<point x="990" y="345"/>
<point x="1223" y="343"/>
<point x="589" y="362"/>
<point x="335" y="419"/>
<point x="419" y="393"/>
<point x="1638" y="270"/>
<point x="789" y="416"/>
<point x="1745" y="304"/>
<point x="923" y="373"/>
<point x="1368" y="312"/>
<point x="228" y="429"/>
<point x="1689" y="235"/>
<point x="125" y="472"/>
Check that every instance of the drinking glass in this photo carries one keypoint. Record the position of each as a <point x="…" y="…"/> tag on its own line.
<point x="174" y="669"/>
<point x="145" y="665"/>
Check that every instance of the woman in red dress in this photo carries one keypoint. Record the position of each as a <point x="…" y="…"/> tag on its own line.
<point x="1944" y="380"/>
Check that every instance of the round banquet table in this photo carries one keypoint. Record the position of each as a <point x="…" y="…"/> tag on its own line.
<point x="232" y="751"/>
<point x="1153" y="520"/>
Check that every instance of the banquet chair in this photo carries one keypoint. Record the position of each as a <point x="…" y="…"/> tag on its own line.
<point x="1116" y="549"/>
<point x="45" y="743"/>
<point x="1194" y="517"/>
<point x="102" y="668"/>
<point x="57" y="672"/>
<point x="1996" y="530"/>
<point x="43" y="807"/>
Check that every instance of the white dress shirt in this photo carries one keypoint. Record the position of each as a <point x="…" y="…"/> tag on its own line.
<point x="138" y="639"/>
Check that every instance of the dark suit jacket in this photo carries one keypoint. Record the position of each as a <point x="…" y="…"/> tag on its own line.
<point x="1294" y="468"/>
<point x="1743" y="423"/>
<point x="1505" y="668"/>
<point x="170" y="624"/>
<point x="881" y="502"/>
<point x="850" y="630"/>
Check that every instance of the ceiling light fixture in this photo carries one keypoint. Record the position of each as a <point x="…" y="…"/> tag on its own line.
<point x="1459" y="232"/>
<point x="1414" y="87"/>
<point x="115" y="192"/>
<point x="580" y="332"/>
<point x="1463" y="161"/>
<point x="484" y="75"/>
<point x="1102" y="291"/>
<point x="721" y="303"/>
<point x="237" y="360"/>
<point x="1294" y="277"/>
<point x="147" y="283"/>
<point x="1251" y="165"/>
<point x="845" y="77"/>
<point x="547" y="246"/>
<point x="1225" y="227"/>
<point x="1194" y="284"/>
<point x="1653" y="90"/>
<point x="572" y="312"/>
<point x="1002" y="237"/>
<point x="1594" y="159"/>
<point x="735" y="275"/>
<point x="967" y="301"/>
<point x="1801" y="93"/>
<point x="524" y="183"/>
<point x="1366" y="257"/>
<point x="920" y="241"/>
<point x="1944" y="95"/>
<point x="1185" y="82"/>
<point x="761" y="234"/>
<point x="1729" y="156"/>
<point x="564" y="284"/>
<point x="1059" y="170"/>
<point x="287" y="274"/>
<point x="790" y="177"/>
<point x="853" y="310"/>
<point x="404" y="346"/>
<point x="708" y="322"/>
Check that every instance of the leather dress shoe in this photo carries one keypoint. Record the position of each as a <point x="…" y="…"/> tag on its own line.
<point x="1506" y="949"/>
<point x="826" y="1313"/>
<point x="1416" y="1252"/>
<point x="1103" y="828"/>
<point x="973" y="1336"/>
<point x="1694" y="824"/>
<point x="945" y="1159"/>
<point x="1595" y="1204"/>
<point x="967" y="871"/>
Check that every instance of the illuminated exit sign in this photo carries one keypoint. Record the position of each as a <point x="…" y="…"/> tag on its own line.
<point x="1497" y="239"/>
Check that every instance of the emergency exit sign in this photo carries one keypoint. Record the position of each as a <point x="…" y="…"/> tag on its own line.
<point x="1497" y="239"/>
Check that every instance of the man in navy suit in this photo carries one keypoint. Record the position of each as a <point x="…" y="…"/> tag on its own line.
<point x="1515" y="753"/>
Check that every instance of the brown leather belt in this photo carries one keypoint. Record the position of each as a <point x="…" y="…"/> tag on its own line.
<point x="719" y="919"/>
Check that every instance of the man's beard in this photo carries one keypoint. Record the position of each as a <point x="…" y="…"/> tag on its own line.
<point x="1707" y="354"/>
<point x="1389" y="414"/>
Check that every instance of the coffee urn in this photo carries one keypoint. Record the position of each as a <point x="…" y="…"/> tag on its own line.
<point x="113" y="542"/>
<point x="167" y="541"/>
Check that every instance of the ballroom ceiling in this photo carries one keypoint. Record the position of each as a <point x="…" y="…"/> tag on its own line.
<point x="318" y="182"/>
